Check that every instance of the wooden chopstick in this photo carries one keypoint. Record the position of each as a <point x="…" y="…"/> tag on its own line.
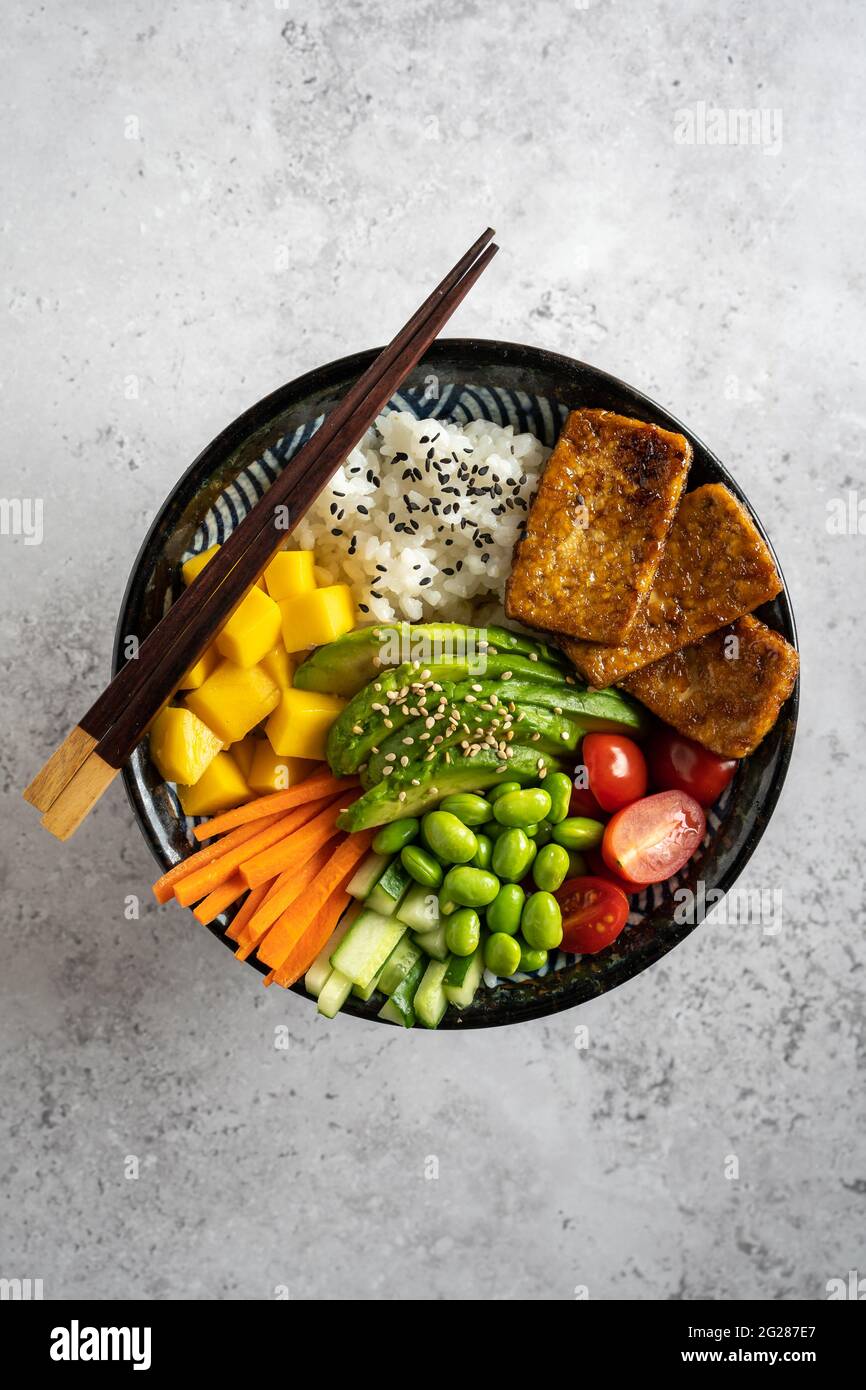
<point x="71" y="783"/>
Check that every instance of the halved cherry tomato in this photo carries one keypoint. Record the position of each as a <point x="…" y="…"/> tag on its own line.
<point x="583" y="803"/>
<point x="654" y="837"/>
<point x="616" y="768"/>
<point x="594" y="913"/>
<point x="597" y="866"/>
<point x="679" y="764"/>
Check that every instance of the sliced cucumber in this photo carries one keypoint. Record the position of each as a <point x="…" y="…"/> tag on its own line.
<point x="420" y="908"/>
<point x="402" y="1001"/>
<point x="397" y="966"/>
<point x="389" y="889"/>
<point x="367" y="875"/>
<point x="320" y="969"/>
<point x="366" y="946"/>
<point x="430" y="1002"/>
<point x="367" y="991"/>
<point x="334" y="993"/>
<point x="433" y="942"/>
<point x="392" y="1014"/>
<point x="463" y="977"/>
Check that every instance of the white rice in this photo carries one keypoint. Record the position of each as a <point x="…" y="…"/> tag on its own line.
<point x="422" y="518"/>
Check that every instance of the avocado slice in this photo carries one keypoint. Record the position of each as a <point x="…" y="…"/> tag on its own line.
<point x="439" y="778"/>
<point x="345" y="666"/>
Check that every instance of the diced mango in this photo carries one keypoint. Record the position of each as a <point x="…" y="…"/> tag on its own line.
<point x="312" y="619"/>
<point x="298" y="727"/>
<point x="181" y="745"/>
<point x="220" y="787"/>
<point x="244" y="752"/>
<point x="291" y="572"/>
<point x="200" y="670"/>
<point x="280" y="666"/>
<point x="196" y="563"/>
<point x="272" y="772"/>
<point x="234" y="699"/>
<point x="251" y="631"/>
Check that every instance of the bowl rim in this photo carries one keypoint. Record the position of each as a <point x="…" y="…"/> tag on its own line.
<point x="329" y="374"/>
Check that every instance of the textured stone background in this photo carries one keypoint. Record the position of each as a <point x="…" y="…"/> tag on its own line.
<point x="301" y="173"/>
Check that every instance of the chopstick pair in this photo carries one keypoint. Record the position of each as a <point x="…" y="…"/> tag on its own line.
<point x="83" y="766"/>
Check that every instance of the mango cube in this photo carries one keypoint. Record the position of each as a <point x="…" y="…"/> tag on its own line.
<point x="312" y="619"/>
<point x="234" y="699"/>
<point x="291" y="572"/>
<point x="200" y="670"/>
<point x="244" y="752"/>
<point x="251" y="631"/>
<point x="298" y="727"/>
<point x="181" y="745"/>
<point x="220" y="787"/>
<point x="280" y="666"/>
<point x="193" y="567"/>
<point x="272" y="772"/>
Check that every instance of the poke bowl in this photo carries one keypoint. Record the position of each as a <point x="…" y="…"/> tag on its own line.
<point x="529" y="393"/>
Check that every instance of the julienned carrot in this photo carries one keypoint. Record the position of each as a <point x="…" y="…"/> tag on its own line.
<point x="291" y="928"/>
<point x="259" y="866"/>
<point x="164" y="886"/>
<point x="313" y="788"/>
<point x="285" y="890"/>
<point x="219" y="899"/>
<point x="199" y="884"/>
<point x="245" y="911"/>
<point x="302" y="955"/>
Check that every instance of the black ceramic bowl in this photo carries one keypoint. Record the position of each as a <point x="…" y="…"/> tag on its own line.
<point x="498" y="369"/>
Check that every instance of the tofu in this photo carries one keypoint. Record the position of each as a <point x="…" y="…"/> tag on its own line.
<point x="597" y="526"/>
<point x="716" y="568"/>
<point x="726" y="691"/>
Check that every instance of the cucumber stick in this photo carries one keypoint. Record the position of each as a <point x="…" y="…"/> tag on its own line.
<point x="397" y="966"/>
<point x="463" y="977"/>
<point x="367" y="875"/>
<point x="368" y="990"/>
<point x="433" y="942"/>
<point x="392" y="1014"/>
<point x="334" y="993"/>
<point x="320" y="969"/>
<point x="366" y="946"/>
<point x="389" y="889"/>
<point x="430" y="1002"/>
<point x="400" y="1008"/>
<point x="420" y="908"/>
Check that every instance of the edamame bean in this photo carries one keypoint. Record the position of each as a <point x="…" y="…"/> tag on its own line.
<point x="449" y="837"/>
<point x="421" y="866"/>
<point x="447" y="906"/>
<point x="531" y="958"/>
<point x="578" y="832"/>
<point x="522" y="808"/>
<point x="484" y="852"/>
<point x="541" y="921"/>
<point x="492" y="829"/>
<point x="463" y="932"/>
<point x="550" y="869"/>
<point x="503" y="914"/>
<point x="576" y="864"/>
<point x="543" y="834"/>
<point x="503" y="789"/>
<point x="470" y="887"/>
<point x="513" y="853"/>
<point x="470" y="809"/>
<point x="391" y="838"/>
<point x="531" y="830"/>
<point x="501" y="954"/>
<point x="558" y="787"/>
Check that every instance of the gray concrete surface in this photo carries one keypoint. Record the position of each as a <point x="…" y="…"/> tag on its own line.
<point x="201" y="201"/>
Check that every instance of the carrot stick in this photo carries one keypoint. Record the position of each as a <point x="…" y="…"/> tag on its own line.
<point x="292" y="926"/>
<point x="288" y="887"/>
<point x="204" y="880"/>
<point x="245" y="911"/>
<point x="215" y="902"/>
<point x="318" y="785"/>
<point x="302" y="955"/>
<point x="164" y="886"/>
<point x="268" y="862"/>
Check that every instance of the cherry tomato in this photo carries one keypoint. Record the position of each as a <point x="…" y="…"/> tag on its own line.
<point x="594" y="913"/>
<point x="583" y="803"/>
<point x="616" y="768"/>
<point x="679" y="764"/>
<point x="597" y="866"/>
<point x="654" y="837"/>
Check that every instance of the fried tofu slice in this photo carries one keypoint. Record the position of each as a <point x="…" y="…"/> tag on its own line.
<point x="597" y="526"/>
<point x="716" y="567"/>
<point x="726" y="691"/>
